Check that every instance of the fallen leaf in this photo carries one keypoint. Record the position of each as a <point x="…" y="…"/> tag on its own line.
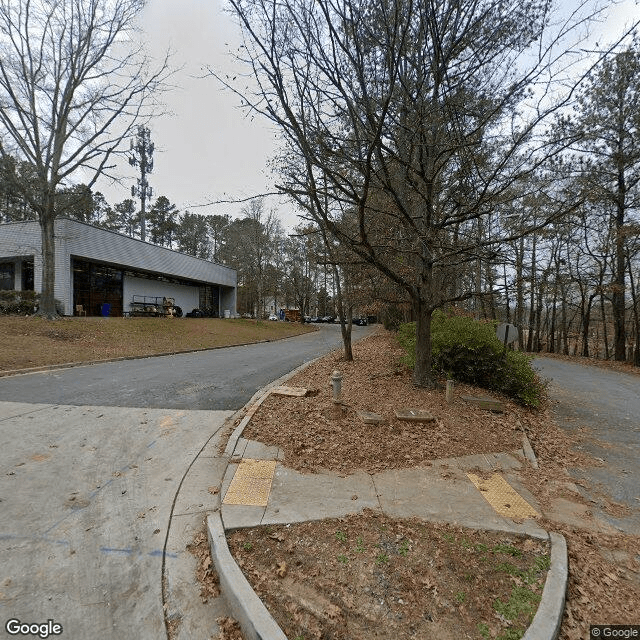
<point x="281" y="569"/>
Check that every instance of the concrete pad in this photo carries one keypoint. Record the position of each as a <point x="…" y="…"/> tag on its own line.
<point x="503" y="461"/>
<point x="237" y="516"/>
<point x="92" y="563"/>
<point x="194" y="496"/>
<point x="577" y="515"/>
<point x="259" y="451"/>
<point x="415" y="415"/>
<point x="194" y="618"/>
<point x="297" y="497"/>
<point x="368" y="417"/>
<point x="292" y="392"/>
<point x="13" y="409"/>
<point x="423" y="492"/>
<point x="486" y="402"/>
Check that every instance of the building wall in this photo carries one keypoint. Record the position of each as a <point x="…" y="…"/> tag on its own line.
<point x="186" y="297"/>
<point x="92" y="243"/>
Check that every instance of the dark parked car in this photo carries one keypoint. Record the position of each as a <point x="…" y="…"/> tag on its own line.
<point x="361" y="322"/>
<point x="314" y="319"/>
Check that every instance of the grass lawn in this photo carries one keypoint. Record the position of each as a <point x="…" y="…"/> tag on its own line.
<point x="33" y="342"/>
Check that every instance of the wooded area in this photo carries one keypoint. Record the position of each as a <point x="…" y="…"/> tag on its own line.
<point x="442" y="155"/>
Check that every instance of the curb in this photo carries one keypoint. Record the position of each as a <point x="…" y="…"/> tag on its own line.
<point x="256" y="400"/>
<point x="529" y="453"/>
<point x="258" y="624"/>
<point x="255" y="620"/>
<point x="546" y="623"/>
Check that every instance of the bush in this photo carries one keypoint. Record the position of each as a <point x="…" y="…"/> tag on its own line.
<point x="22" y="303"/>
<point x="468" y="351"/>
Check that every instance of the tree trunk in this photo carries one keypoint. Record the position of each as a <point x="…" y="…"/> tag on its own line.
<point x="605" y="333"/>
<point x="636" y="316"/>
<point x="520" y="294"/>
<point x="532" y="297"/>
<point x="422" y="373"/>
<point x="47" y="306"/>
<point x="586" y="320"/>
<point x="618" y="297"/>
<point x="345" y="327"/>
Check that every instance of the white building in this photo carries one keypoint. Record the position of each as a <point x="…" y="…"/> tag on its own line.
<point x="94" y="267"/>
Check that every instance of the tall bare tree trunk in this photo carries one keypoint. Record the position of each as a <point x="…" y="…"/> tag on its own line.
<point x="605" y="332"/>
<point x="47" y="306"/>
<point x="422" y="373"/>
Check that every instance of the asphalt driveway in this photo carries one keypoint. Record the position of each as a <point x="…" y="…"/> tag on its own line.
<point x="217" y="379"/>
<point x="105" y="473"/>
<point x="605" y="405"/>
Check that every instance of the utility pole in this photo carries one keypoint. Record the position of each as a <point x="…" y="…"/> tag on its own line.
<point x="142" y="156"/>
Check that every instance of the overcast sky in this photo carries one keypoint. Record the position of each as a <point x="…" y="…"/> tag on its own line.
<point x="208" y="149"/>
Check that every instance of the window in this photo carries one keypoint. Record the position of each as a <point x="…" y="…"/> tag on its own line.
<point x="7" y="282"/>
<point x="27" y="275"/>
<point x="95" y="284"/>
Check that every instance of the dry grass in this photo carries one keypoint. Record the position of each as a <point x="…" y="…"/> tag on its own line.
<point x="34" y="342"/>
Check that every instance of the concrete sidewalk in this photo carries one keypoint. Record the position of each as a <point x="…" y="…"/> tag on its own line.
<point x="440" y="492"/>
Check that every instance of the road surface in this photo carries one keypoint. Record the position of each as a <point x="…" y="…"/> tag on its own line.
<point x="606" y="406"/>
<point x="104" y="479"/>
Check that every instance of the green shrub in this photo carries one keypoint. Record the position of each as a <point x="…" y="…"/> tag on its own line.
<point x="22" y="303"/>
<point x="466" y="350"/>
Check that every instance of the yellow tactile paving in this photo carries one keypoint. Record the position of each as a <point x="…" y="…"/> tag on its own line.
<point x="503" y="497"/>
<point x="251" y="483"/>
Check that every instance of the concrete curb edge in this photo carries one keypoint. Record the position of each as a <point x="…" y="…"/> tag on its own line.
<point x="546" y="623"/>
<point x="246" y="607"/>
<point x="529" y="453"/>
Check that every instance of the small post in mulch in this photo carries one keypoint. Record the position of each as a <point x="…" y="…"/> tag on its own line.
<point x="336" y="383"/>
<point x="449" y="391"/>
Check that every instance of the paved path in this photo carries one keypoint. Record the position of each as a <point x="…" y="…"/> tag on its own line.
<point x="220" y="379"/>
<point x="606" y="404"/>
<point x="104" y="477"/>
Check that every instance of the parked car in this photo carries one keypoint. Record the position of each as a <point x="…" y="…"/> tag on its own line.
<point x="327" y="319"/>
<point x="314" y="319"/>
<point x="361" y="322"/>
<point x="307" y="318"/>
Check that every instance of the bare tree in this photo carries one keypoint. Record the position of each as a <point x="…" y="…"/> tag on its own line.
<point x="72" y="85"/>
<point x="414" y="120"/>
<point x="608" y="117"/>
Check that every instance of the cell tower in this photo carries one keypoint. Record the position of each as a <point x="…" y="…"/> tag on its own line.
<point x="142" y="156"/>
